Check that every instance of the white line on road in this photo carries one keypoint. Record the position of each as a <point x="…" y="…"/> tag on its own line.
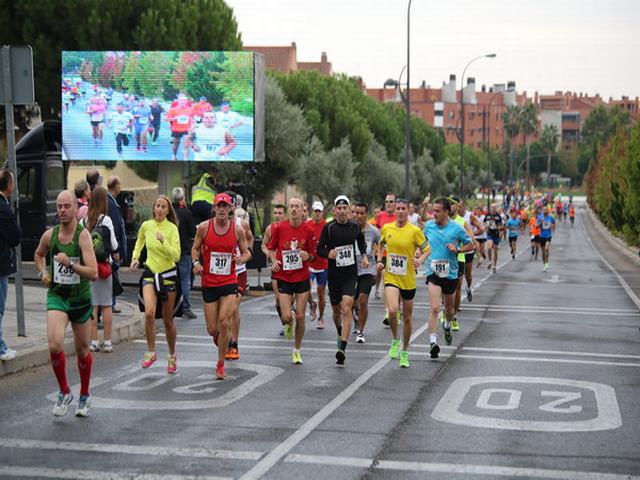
<point x="195" y="452"/>
<point x="552" y="309"/>
<point x="41" y="472"/>
<point x="448" y="468"/>
<point x="550" y="352"/>
<point x="548" y="360"/>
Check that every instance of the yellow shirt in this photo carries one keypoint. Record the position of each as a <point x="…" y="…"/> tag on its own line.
<point x="160" y="256"/>
<point x="401" y="244"/>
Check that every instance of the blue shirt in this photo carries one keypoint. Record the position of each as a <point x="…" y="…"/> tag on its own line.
<point x="442" y="261"/>
<point x="545" y="222"/>
<point x="141" y="115"/>
<point x="513" y="225"/>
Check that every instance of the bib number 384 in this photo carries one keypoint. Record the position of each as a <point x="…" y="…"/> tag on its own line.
<point x="220" y="263"/>
<point x="63" y="275"/>
<point x="291" y="260"/>
<point x="397" y="264"/>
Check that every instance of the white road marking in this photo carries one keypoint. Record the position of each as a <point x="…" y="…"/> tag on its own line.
<point x="487" y="470"/>
<point x="550" y="352"/>
<point x="192" y="452"/>
<point x="578" y="285"/>
<point x="552" y="309"/>
<point x="548" y="360"/>
<point x="66" y="473"/>
<point x="275" y="455"/>
<point x="447" y="410"/>
<point x="634" y="298"/>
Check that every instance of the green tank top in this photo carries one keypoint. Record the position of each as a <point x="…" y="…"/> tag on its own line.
<point x="460" y="221"/>
<point x="65" y="282"/>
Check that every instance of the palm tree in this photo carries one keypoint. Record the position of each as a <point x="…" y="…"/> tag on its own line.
<point x="511" y="125"/>
<point x="549" y="141"/>
<point x="528" y="126"/>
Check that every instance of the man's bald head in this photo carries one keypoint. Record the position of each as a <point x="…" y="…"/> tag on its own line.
<point x="66" y="206"/>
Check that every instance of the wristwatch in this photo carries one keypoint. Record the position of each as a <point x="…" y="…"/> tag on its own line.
<point x="194" y="263"/>
<point x="72" y="265"/>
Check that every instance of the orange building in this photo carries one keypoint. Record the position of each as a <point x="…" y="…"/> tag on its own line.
<point x="285" y="59"/>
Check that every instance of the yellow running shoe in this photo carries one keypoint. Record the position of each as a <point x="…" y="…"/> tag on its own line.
<point x="296" y="358"/>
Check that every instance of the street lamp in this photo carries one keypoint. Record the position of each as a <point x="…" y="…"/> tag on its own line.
<point x="407" y="133"/>
<point x="488" y="55"/>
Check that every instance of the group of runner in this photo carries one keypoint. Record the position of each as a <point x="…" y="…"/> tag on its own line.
<point x="200" y="128"/>
<point x="345" y="254"/>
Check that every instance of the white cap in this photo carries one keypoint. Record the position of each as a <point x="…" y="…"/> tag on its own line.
<point x="340" y="199"/>
<point x="317" y="206"/>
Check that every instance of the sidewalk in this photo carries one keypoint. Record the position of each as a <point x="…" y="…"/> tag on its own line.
<point x="33" y="350"/>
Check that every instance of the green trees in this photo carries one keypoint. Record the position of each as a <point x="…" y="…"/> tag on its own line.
<point x="549" y="141"/>
<point x="528" y="119"/>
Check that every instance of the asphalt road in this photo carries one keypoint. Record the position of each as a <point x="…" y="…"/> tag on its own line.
<point x="542" y="381"/>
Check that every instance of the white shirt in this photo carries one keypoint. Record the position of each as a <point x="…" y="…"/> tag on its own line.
<point x="121" y="122"/>
<point x="210" y="141"/>
<point x="229" y="119"/>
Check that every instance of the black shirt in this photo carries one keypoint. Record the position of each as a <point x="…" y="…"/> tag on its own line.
<point x="494" y="220"/>
<point x="336" y="235"/>
<point x="186" y="228"/>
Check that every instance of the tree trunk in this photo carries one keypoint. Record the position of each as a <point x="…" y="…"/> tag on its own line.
<point x="548" y="169"/>
<point x="527" y="143"/>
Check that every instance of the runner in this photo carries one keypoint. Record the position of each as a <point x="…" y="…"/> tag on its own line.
<point x="495" y="227"/>
<point x="337" y="243"/>
<point x="572" y="213"/>
<point x="318" y="268"/>
<point x="96" y="109"/>
<point x="181" y="121"/>
<point x="235" y="215"/>
<point x="366" y="276"/>
<point x="159" y="280"/>
<point x="513" y="226"/>
<point x="210" y="141"/>
<point x="443" y="236"/>
<point x="401" y="239"/>
<point x="289" y="247"/>
<point x="122" y="122"/>
<point x="156" y="119"/>
<point x="547" y="225"/>
<point x="388" y="215"/>
<point x="477" y="229"/>
<point x="200" y="107"/>
<point x="66" y="263"/>
<point x="228" y="118"/>
<point x="215" y="256"/>
<point x="534" y="234"/>
<point x="279" y="215"/>
<point x="481" y="238"/>
<point x="141" y="114"/>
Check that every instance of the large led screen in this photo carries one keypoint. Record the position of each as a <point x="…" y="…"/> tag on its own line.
<point x="180" y="106"/>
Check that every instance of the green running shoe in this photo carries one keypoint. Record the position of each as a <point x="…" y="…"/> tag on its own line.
<point x="394" y="349"/>
<point x="288" y="330"/>
<point x="447" y="335"/>
<point x="296" y="358"/>
<point x="454" y="325"/>
<point x="404" y="359"/>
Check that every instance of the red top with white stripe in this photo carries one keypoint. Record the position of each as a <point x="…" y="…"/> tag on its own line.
<point x="217" y="253"/>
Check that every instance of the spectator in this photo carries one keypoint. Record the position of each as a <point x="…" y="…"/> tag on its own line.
<point x="115" y="213"/>
<point x="202" y="196"/>
<point x="93" y="178"/>
<point x="187" y="230"/>
<point x="9" y="238"/>
<point x="83" y="192"/>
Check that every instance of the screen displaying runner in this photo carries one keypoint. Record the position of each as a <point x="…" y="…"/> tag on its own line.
<point x="180" y="106"/>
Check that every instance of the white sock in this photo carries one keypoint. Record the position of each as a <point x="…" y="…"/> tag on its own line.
<point x="433" y="338"/>
<point x="447" y="324"/>
<point x="296" y="350"/>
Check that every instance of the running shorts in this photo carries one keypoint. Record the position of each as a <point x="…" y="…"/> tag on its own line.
<point x="320" y="278"/>
<point x="290" y="288"/>
<point x="341" y="287"/>
<point x="448" y="285"/>
<point x="213" y="294"/>
<point x="461" y="268"/>
<point x="242" y="283"/>
<point x="365" y="284"/>
<point x="78" y="310"/>
<point x="494" y="239"/>
<point x="544" y="241"/>
<point x="404" y="294"/>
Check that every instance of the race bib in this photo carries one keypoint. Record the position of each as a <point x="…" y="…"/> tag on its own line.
<point x="546" y="225"/>
<point x="143" y="120"/>
<point x="220" y="263"/>
<point x="291" y="260"/>
<point x="492" y="225"/>
<point x="63" y="275"/>
<point x="440" y="268"/>
<point x="183" y="119"/>
<point x="397" y="264"/>
<point x="345" y="256"/>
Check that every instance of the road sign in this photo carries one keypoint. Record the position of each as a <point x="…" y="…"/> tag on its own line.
<point x="21" y="65"/>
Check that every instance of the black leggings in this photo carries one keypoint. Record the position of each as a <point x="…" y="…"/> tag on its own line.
<point x="121" y="138"/>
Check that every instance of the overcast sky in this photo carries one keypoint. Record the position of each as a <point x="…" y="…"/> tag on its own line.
<point x="590" y="46"/>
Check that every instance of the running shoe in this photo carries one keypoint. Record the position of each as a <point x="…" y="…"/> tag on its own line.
<point x="394" y="349"/>
<point x="385" y="321"/>
<point x="60" y="408"/>
<point x="469" y="295"/>
<point x="399" y="317"/>
<point x="546" y="266"/>
<point x="513" y="256"/>
<point x="189" y="315"/>
<point x="494" y="269"/>
<point x="149" y="359"/>
<point x="434" y="350"/>
<point x="320" y="324"/>
<point x="360" y="337"/>
<point x="404" y="359"/>
<point x="234" y="353"/>
<point x="155" y="142"/>
<point x="82" y="410"/>
<point x="340" y="357"/>
<point x="107" y="346"/>
<point x="454" y="325"/>
<point x="8" y="354"/>
<point x="441" y="318"/>
<point x="355" y="312"/>
<point x="93" y="346"/>
<point x="447" y="334"/>
<point x="281" y="333"/>
<point x="172" y="363"/>
<point x="339" y="342"/>
<point x="288" y="330"/>
<point x="377" y="295"/>
<point x="220" y="372"/>
<point x="296" y="358"/>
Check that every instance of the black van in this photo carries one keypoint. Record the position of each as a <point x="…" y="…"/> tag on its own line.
<point x="42" y="175"/>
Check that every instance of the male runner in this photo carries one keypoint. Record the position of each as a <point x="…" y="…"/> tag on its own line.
<point x="481" y="238"/>
<point x="495" y="226"/>
<point x="181" y="121"/>
<point x="122" y="123"/>
<point x="289" y="247"/>
<point x="279" y="215"/>
<point x="66" y="263"/>
<point x="141" y="114"/>
<point x="218" y="248"/>
<point x="156" y="119"/>
<point x="318" y="268"/>
<point x="443" y="236"/>
<point x="366" y="275"/>
<point x="572" y="214"/>
<point x="96" y="109"/>
<point x="388" y="215"/>
<point x="337" y="243"/>
<point x="477" y="229"/>
<point x="513" y="226"/>
<point x="401" y="239"/>
<point x="547" y="225"/>
<point x="210" y="140"/>
<point x="534" y="234"/>
<point x="228" y="118"/>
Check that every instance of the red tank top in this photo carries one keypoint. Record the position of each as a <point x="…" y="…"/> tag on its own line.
<point x="217" y="253"/>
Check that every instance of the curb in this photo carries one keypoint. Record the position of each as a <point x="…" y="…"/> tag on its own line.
<point x="37" y="356"/>
<point x="617" y="243"/>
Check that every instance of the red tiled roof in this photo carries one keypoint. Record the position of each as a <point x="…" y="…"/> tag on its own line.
<point x="280" y="59"/>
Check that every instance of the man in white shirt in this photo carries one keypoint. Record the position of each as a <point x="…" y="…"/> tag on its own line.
<point x="210" y="141"/>
<point x="122" y="122"/>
